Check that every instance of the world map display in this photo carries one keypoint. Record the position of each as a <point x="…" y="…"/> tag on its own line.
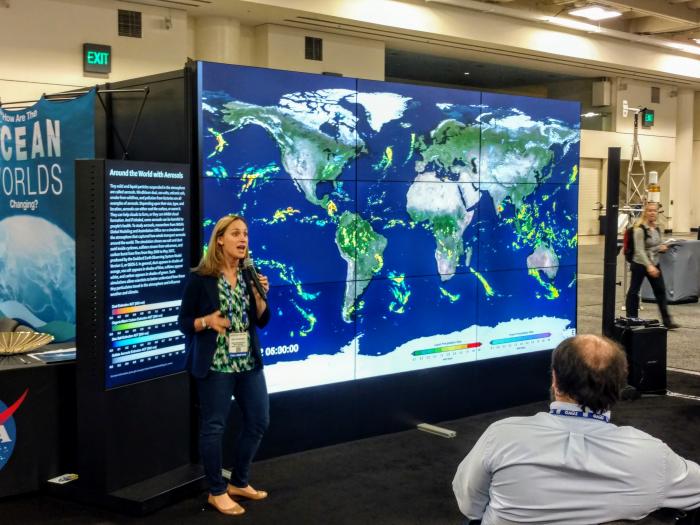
<point x="402" y="227"/>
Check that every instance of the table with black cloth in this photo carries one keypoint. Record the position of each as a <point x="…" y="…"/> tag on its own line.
<point x="45" y="421"/>
<point x="680" y="266"/>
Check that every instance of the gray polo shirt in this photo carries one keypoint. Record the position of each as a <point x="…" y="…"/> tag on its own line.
<point x="560" y="469"/>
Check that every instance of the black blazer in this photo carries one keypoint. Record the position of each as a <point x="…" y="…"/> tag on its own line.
<point x="200" y="298"/>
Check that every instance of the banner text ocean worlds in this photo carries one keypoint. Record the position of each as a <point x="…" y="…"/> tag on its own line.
<point x="25" y="138"/>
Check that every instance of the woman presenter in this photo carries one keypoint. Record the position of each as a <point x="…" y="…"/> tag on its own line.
<point x="220" y="313"/>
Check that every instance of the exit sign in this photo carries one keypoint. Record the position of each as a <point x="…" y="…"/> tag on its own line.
<point x="97" y="58"/>
<point x="647" y="118"/>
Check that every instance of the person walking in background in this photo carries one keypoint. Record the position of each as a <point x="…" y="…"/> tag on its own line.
<point x="645" y="263"/>
<point x="220" y="312"/>
<point x="571" y="465"/>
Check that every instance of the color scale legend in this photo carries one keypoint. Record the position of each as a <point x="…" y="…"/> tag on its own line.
<point x="146" y="332"/>
<point x="443" y="349"/>
<point x="519" y="338"/>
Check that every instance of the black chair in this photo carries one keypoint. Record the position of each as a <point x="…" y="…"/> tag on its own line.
<point x="689" y="517"/>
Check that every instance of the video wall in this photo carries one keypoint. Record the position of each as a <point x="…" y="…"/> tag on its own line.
<point x="402" y="227"/>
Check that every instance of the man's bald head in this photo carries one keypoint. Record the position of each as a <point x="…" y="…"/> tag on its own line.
<point x="591" y="370"/>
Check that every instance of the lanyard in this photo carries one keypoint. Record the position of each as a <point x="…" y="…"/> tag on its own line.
<point x="578" y="413"/>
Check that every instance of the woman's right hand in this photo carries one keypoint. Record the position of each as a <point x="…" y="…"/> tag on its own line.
<point x="653" y="271"/>
<point x="217" y="322"/>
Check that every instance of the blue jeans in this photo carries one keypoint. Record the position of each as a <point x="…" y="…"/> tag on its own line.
<point x="215" y="392"/>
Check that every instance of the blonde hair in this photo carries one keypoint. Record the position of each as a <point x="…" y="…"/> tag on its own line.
<point x="212" y="261"/>
<point x="642" y="220"/>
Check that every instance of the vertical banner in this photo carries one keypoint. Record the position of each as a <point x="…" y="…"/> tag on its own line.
<point x="147" y="217"/>
<point x="38" y="149"/>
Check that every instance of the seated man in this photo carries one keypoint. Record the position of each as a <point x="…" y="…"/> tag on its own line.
<point x="571" y="465"/>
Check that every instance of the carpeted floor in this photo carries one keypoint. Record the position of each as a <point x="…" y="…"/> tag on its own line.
<point x="401" y="479"/>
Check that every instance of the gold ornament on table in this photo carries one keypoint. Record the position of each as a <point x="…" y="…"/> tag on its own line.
<point x="22" y="342"/>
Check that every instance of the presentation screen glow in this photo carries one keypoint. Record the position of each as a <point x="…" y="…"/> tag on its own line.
<point x="402" y="227"/>
<point x="147" y="260"/>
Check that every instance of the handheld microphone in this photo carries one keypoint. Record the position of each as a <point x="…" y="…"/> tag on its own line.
<point x="248" y="265"/>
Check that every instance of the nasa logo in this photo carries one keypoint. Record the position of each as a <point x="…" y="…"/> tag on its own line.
<point x="8" y="430"/>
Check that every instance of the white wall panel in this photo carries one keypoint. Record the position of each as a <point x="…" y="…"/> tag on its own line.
<point x="41" y="44"/>
<point x="589" y="196"/>
<point x="283" y="48"/>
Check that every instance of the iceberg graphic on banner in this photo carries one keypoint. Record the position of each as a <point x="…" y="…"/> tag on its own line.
<point x="38" y="149"/>
<point x="402" y="227"/>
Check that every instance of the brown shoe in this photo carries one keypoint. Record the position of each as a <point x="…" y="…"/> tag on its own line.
<point x="236" y="510"/>
<point x="247" y="492"/>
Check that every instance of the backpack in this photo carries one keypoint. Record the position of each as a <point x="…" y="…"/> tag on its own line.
<point x="628" y="242"/>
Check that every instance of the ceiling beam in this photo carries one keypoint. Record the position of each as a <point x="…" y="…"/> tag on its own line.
<point x="694" y="4"/>
<point x="649" y="25"/>
<point x="677" y="12"/>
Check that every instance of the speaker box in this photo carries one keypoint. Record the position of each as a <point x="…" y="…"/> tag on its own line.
<point x="645" y="347"/>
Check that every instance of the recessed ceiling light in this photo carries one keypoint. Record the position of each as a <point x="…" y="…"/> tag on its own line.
<point x="590" y="114"/>
<point x="466" y="73"/>
<point x="594" y="12"/>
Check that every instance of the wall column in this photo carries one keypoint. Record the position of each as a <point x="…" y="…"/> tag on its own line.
<point x="217" y="39"/>
<point x="695" y="186"/>
<point x="682" y="170"/>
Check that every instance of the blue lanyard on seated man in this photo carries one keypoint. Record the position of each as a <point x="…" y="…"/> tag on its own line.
<point x="588" y="414"/>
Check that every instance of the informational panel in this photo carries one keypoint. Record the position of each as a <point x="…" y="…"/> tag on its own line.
<point x="147" y="214"/>
<point x="38" y="149"/>
<point x="402" y="227"/>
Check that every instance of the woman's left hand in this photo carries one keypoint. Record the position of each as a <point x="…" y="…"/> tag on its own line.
<point x="260" y="303"/>
<point x="264" y="282"/>
<point x="663" y="248"/>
